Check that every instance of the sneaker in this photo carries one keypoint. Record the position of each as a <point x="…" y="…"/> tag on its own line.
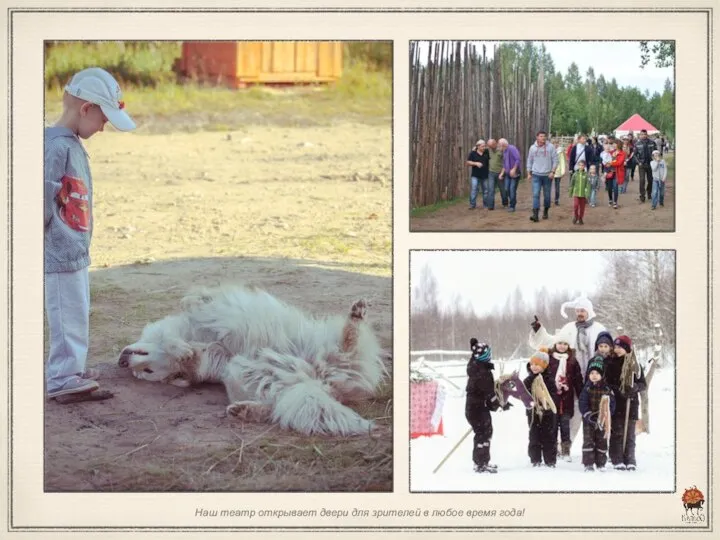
<point x="652" y="208"/>
<point x="557" y="203"/>
<point x="630" y="467"/>
<point x="662" y="204"/>
<point x="491" y="466"/>
<point x="471" y="208"/>
<point x="580" y="221"/>
<point x="609" y="203"/>
<point x="589" y="468"/>
<point x="574" y="220"/>
<point x="601" y="469"/>
<point x="485" y="469"/>
<point x="536" y="464"/>
<point x="619" y="467"/>
<point x="511" y="209"/>
<point x="615" y="206"/>
<point x="551" y="465"/>
<point x="76" y="385"/>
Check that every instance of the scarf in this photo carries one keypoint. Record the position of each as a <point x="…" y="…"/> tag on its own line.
<point x="629" y="372"/>
<point x="582" y="337"/>
<point x="561" y="375"/>
<point x="541" y="397"/>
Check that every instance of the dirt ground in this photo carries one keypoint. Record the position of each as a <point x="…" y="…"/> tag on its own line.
<point x="304" y="213"/>
<point x="630" y="216"/>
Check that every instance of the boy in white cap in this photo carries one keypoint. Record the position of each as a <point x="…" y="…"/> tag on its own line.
<point x="91" y="99"/>
<point x="659" y="175"/>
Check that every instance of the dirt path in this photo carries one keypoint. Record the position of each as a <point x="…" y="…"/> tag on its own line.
<point x="303" y="213"/>
<point x="631" y="216"/>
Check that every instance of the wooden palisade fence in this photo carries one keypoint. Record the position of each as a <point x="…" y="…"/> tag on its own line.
<point x="457" y="96"/>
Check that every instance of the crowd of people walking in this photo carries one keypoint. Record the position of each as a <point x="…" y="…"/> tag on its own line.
<point x="591" y="165"/>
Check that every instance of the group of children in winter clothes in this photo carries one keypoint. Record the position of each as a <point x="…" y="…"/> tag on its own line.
<point x="555" y="381"/>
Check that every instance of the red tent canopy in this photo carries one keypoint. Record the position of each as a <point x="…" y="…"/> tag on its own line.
<point x="636" y="123"/>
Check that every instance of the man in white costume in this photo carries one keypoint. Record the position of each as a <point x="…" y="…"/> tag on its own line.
<point x="581" y="333"/>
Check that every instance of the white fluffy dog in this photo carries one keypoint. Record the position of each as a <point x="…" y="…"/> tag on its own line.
<point x="277" y="363"/>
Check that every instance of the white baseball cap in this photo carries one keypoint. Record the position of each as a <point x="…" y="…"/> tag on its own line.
<point x="97" y="86"/>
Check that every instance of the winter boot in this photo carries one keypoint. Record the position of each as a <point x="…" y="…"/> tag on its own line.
<point x="589" y="468"/>
<point x="534" y="216"/>
<point x="630" y="467"/>
<point x="537" y="464"/>
<point x="565" y="452"/>
<point x="545" y="212"/>
<point x="485" y="469"/>
<point x="620" y="467"/>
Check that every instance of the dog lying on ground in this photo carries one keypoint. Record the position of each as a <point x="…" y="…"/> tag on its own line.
<point x="277" y="363"/>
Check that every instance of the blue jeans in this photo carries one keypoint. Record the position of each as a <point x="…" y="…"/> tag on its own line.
<point x="658" y="192"/>
<point x="501" y="188"/>
<point x="612" y="188"/>
<point x="511" y="185"/>
<point x="544" y="183"/>
<point x="489" y="190"/>
<point x="593" y="196"/>
<point x="557" y="189"/>
<point x="67" y="303"/>
<point x="474" y="183"/>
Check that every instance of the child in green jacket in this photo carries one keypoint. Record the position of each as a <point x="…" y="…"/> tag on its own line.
<point x="579" y="191"/>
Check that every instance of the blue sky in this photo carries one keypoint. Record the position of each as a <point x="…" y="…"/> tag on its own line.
<point x="618" y="59"/>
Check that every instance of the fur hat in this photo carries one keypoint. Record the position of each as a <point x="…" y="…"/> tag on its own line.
<point x="581" y="302"/>
<point x="603" y="337"/>
<point x="540" y="358"/>
<point x="564" y="335"/>
<point x="596" y="364"/>
<point x="481" y="352"/>
<point x="625" y="342"/>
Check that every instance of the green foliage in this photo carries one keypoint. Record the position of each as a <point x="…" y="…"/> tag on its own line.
<point x="150" y="63"/>
<point x="134" y="63"/>
<point x="662" y="51"/>
<point x="595" y="105"/>
<point x="376" y="55"/>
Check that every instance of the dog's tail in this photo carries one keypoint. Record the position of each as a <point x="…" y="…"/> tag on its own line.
<point x="300" y="399"/>
<point x="308" y="408"/>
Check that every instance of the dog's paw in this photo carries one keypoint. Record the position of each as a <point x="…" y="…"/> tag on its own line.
<point x="250" y="411"/>
<point x="359" y="309"/>
<point x="179" y="382"/>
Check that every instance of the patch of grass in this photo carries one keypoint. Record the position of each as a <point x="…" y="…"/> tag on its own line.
<point x="153" y="96"/>
<point x="136" y="63"/>
<point x="421" y="211"/>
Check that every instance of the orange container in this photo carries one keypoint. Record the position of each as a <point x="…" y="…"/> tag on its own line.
<point x="240" y="63"/>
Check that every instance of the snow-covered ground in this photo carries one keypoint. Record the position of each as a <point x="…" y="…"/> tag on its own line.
<point x="655" y="453"/>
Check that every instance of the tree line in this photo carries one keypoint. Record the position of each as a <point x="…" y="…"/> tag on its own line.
<point x="637" y="291"/>
<point x="460" y="92"/>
